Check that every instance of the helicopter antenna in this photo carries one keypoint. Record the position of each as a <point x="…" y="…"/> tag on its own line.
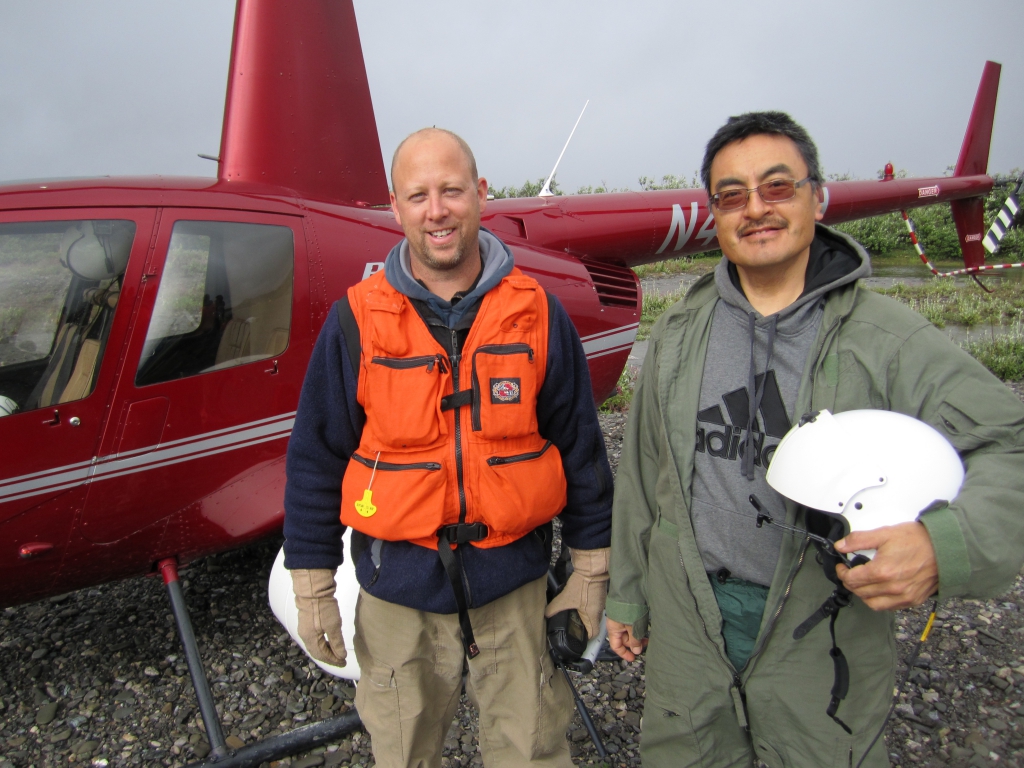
<point x="546" y="189"/>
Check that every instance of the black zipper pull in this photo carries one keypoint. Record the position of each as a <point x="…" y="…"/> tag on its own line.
<point x="440" y="364"/>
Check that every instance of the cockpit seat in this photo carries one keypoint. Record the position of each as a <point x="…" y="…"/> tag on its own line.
<point x="235" y="342"/>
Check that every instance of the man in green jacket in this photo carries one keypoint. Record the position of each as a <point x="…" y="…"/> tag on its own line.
<point x="783" y="328"/>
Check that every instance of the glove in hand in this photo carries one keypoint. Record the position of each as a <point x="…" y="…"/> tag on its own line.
<point x="586" y="588"/>
<point x="319" y="615"/>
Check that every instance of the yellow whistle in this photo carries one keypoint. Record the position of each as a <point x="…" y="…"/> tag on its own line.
<point x="365" y="505"/>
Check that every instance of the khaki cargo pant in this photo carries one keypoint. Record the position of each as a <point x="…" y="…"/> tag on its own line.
<point x="411" y="666"/>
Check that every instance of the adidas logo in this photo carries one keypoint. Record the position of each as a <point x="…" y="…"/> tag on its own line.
<point x="726" y="441"/>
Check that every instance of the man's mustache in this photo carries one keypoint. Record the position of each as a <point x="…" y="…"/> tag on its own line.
<point x="774" y="223"/>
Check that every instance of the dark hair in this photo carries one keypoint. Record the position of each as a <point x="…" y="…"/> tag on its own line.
<point x="434" y="129"/>
<point x="739" y="127"/>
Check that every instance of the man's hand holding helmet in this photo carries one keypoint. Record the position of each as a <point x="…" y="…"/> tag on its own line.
<point x="902" y="574"/>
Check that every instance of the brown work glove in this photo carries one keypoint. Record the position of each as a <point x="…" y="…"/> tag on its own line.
<point x="319" y="615"/>
<point x="586" y="588"/>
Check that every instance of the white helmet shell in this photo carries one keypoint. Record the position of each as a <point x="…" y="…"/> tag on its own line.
<point x="7" y="406"/>
<point x="873" y="467"/>
<point x="85" y="254"/>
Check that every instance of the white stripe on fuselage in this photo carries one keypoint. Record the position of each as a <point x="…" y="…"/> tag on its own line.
<point x="612" y="340"/>
<point x="151" y="457"/>
<point x="220" y="441"/>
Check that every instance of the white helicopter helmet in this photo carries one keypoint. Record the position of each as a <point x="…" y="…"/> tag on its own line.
<point x="7" y="406"/>
<point x="89" y="256"/>
<point x="874" y="468"/>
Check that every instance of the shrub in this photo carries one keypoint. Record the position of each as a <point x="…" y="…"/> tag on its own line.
<point x="1003" y="355"/>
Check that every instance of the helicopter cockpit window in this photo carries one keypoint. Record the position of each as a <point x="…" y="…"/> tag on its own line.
<point x="225" y="299"/>
<point x="59" y="285"/>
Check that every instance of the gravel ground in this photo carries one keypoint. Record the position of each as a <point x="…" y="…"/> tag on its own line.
<point x="97" y="677"/>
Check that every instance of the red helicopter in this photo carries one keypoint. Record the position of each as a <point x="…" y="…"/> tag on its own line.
<point x="154" y="332"/>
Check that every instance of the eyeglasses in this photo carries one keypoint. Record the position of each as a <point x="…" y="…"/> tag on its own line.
<point x="774" y="191"/>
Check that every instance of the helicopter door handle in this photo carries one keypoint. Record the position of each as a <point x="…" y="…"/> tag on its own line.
<point x="55" y="421"/>
<point x="34" y="549"/>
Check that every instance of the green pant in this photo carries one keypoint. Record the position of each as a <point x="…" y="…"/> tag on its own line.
<point x="742" y="606"/>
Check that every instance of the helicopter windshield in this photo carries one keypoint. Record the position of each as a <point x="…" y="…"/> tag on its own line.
<point x="59" y="284"/>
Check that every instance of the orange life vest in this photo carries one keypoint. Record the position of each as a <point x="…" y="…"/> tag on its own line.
<point x="431" y="456"/>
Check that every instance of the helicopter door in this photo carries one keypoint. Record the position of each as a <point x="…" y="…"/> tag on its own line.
<point x="200" y="420"/>
<point x="66" y="295"/>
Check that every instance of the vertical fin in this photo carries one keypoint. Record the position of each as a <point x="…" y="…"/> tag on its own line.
<point x="298" y="112"/>
<point x="969" y="215"/>
<point x="973" y="160"/>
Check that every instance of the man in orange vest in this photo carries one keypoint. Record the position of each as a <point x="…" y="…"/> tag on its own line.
<point x="447" y="417"/>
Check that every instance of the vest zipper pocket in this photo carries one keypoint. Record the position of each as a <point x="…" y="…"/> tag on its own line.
<point x="497" y="461"/>
<point x="421" y="361"/>
<point x="493" y="349"/>
<point x="386" y="466"/>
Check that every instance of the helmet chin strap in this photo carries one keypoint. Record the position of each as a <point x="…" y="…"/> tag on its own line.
<point x="839" y="599"/>
<point x="828" y="544"/>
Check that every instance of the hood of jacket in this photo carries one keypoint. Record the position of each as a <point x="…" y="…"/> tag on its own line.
<point x="836" y="260"/>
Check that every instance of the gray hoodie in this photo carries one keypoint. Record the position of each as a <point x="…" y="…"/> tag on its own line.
<point x="736" y="421"/>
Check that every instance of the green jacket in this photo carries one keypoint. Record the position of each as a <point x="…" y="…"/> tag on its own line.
<point x="871" y="352"/>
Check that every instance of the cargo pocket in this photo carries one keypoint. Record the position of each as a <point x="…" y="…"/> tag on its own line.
<point x="554" y="711"/>
<point x="528" y="485"/>
<point x="504" y="391"/>
<point x="667" y="736"/>
<point x="402" y="399"/>
<point x="385" y="496"/>
<point x="767" y="754"/>
<point x="970" y="421"/>
<point x="379" y="708"/>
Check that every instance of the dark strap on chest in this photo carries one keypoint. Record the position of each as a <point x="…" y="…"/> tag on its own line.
<point x="350" y="331"/>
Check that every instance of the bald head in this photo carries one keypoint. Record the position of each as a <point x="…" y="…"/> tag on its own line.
<point x="426" y="134"/>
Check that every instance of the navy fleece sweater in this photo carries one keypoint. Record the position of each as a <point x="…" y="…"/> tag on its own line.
<point x="325" y="436"/>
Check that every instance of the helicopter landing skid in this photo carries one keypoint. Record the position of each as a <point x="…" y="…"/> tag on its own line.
<point x="250" y="756"/>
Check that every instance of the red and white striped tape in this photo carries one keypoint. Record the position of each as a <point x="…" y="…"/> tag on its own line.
<point x="955" y="272"/>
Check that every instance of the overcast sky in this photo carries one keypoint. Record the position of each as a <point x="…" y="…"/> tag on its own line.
<point x="137" y="86"/>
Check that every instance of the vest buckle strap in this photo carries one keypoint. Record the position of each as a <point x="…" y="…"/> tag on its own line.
<point x="457" y="400"/>
<point x="462" y="533"/>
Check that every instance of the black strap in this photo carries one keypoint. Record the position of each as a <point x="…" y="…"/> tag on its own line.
<point x="350" y="330"/>
<point x="841" y="682"/>
<point x="459" y="535"/>
<point x="462" y="533"/>
<point x="457" y="400"/>
<point x="838" y="600"/>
